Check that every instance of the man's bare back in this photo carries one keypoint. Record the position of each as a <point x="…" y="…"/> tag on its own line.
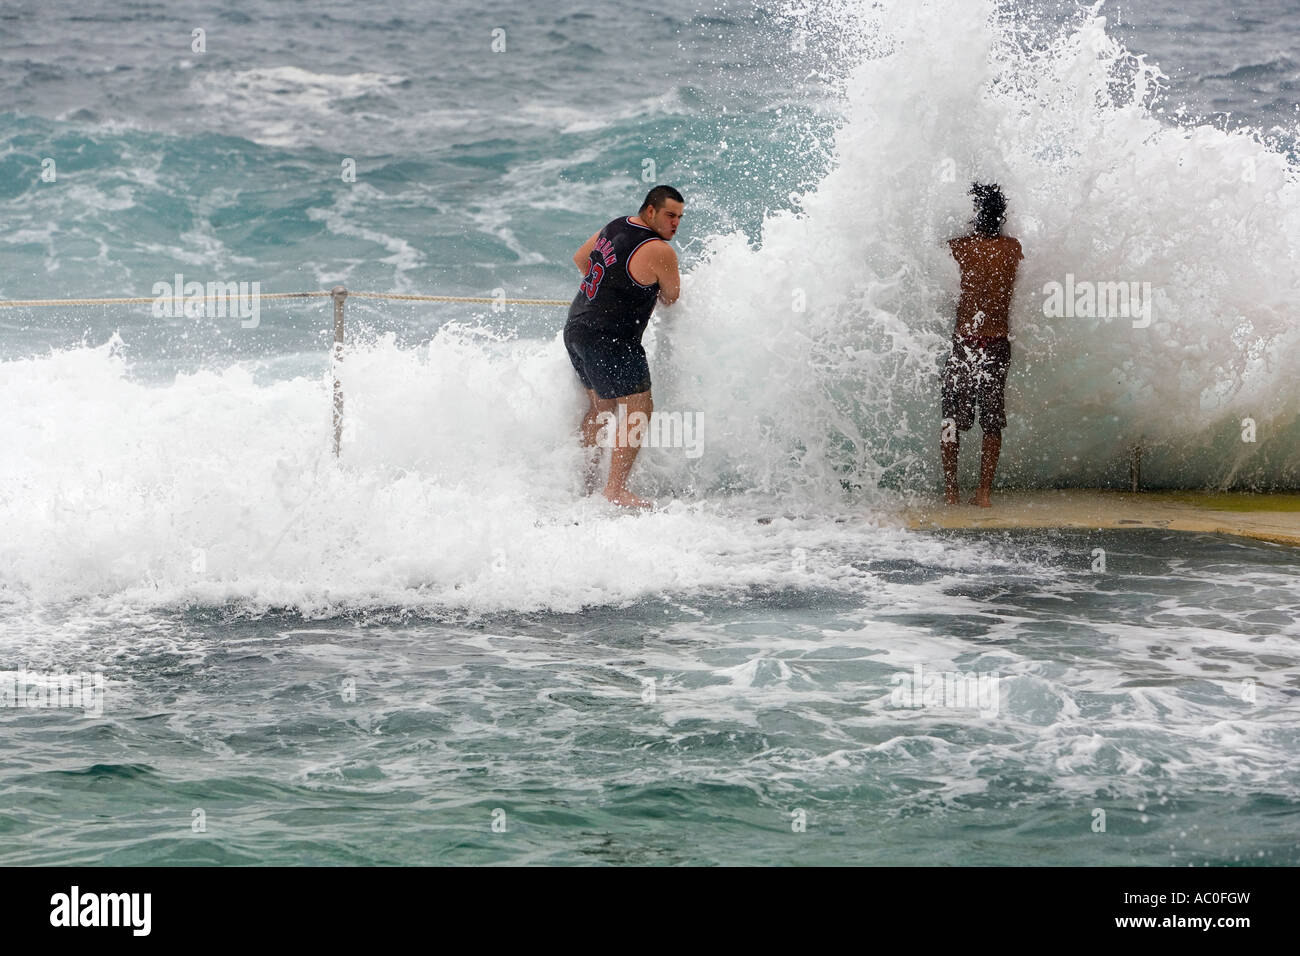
<point x="988" y="276"/>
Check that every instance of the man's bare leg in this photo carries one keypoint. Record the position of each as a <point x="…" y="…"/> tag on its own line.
<point x="620" y="462"/>
<point x="948" y="451"/>
<point x="590" y="432"/>
<point x="989" y="450"/>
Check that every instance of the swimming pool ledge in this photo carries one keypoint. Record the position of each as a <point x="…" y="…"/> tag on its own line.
<point x="1265" y="517"/>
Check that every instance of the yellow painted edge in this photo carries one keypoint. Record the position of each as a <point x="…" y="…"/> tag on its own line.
<point x="1273" y="518"/>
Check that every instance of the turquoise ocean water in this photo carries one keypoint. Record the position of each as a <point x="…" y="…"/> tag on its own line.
<point x="434" y="650"/>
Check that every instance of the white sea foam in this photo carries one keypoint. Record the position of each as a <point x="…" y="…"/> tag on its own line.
<point x="285" y="105"/>
<point x="458" y="482"/>
<point x="1100" y="185"/>
<point x="457" y="487"/>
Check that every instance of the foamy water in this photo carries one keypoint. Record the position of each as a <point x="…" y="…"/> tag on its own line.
<point x="438" y="624"/>
<point x="809" y="358"/>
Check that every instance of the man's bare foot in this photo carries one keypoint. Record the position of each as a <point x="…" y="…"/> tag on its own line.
<point x="981" y="500"/>
<point x="625" y="499"/>
<point x="951" y="498"/>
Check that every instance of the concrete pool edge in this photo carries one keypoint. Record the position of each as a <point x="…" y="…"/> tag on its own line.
<point x="1263" y="517"/>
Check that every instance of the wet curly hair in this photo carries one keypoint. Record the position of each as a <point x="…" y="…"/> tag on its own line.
<point x="990" y="208"/>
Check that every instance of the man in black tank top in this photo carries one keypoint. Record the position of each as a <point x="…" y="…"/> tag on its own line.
<point x="627" y="267"/>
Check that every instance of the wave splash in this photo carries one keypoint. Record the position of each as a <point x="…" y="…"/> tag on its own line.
<point x="810" y="358"/>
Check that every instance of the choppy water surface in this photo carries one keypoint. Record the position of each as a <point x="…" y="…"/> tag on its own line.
<point x="693" y="728"/>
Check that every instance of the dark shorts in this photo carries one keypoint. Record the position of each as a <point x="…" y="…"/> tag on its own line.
<point x="611" y="367"/>
<point x="976" y="374"/>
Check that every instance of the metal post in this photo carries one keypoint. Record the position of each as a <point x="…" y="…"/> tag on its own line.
<point x="1135" y="468"/>
<point x="339" y="294"/>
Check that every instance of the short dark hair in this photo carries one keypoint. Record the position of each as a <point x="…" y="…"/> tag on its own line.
<point x="990" y="208"/>
<point x="659" y="195"/>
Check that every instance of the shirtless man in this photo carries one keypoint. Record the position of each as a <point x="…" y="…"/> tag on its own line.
<point x="627" y="266"/>
<point x="976" y="372"/>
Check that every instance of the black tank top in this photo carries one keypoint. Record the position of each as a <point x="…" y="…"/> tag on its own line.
<point x="609" y="300"/>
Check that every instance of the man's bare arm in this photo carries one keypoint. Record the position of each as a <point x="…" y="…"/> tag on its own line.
<point x="582" y="258"/>
<point x="669" y="279"/>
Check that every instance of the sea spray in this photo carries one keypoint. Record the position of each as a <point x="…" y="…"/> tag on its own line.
<point x="813" y="354"/>
<point x="815" y="351"/>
